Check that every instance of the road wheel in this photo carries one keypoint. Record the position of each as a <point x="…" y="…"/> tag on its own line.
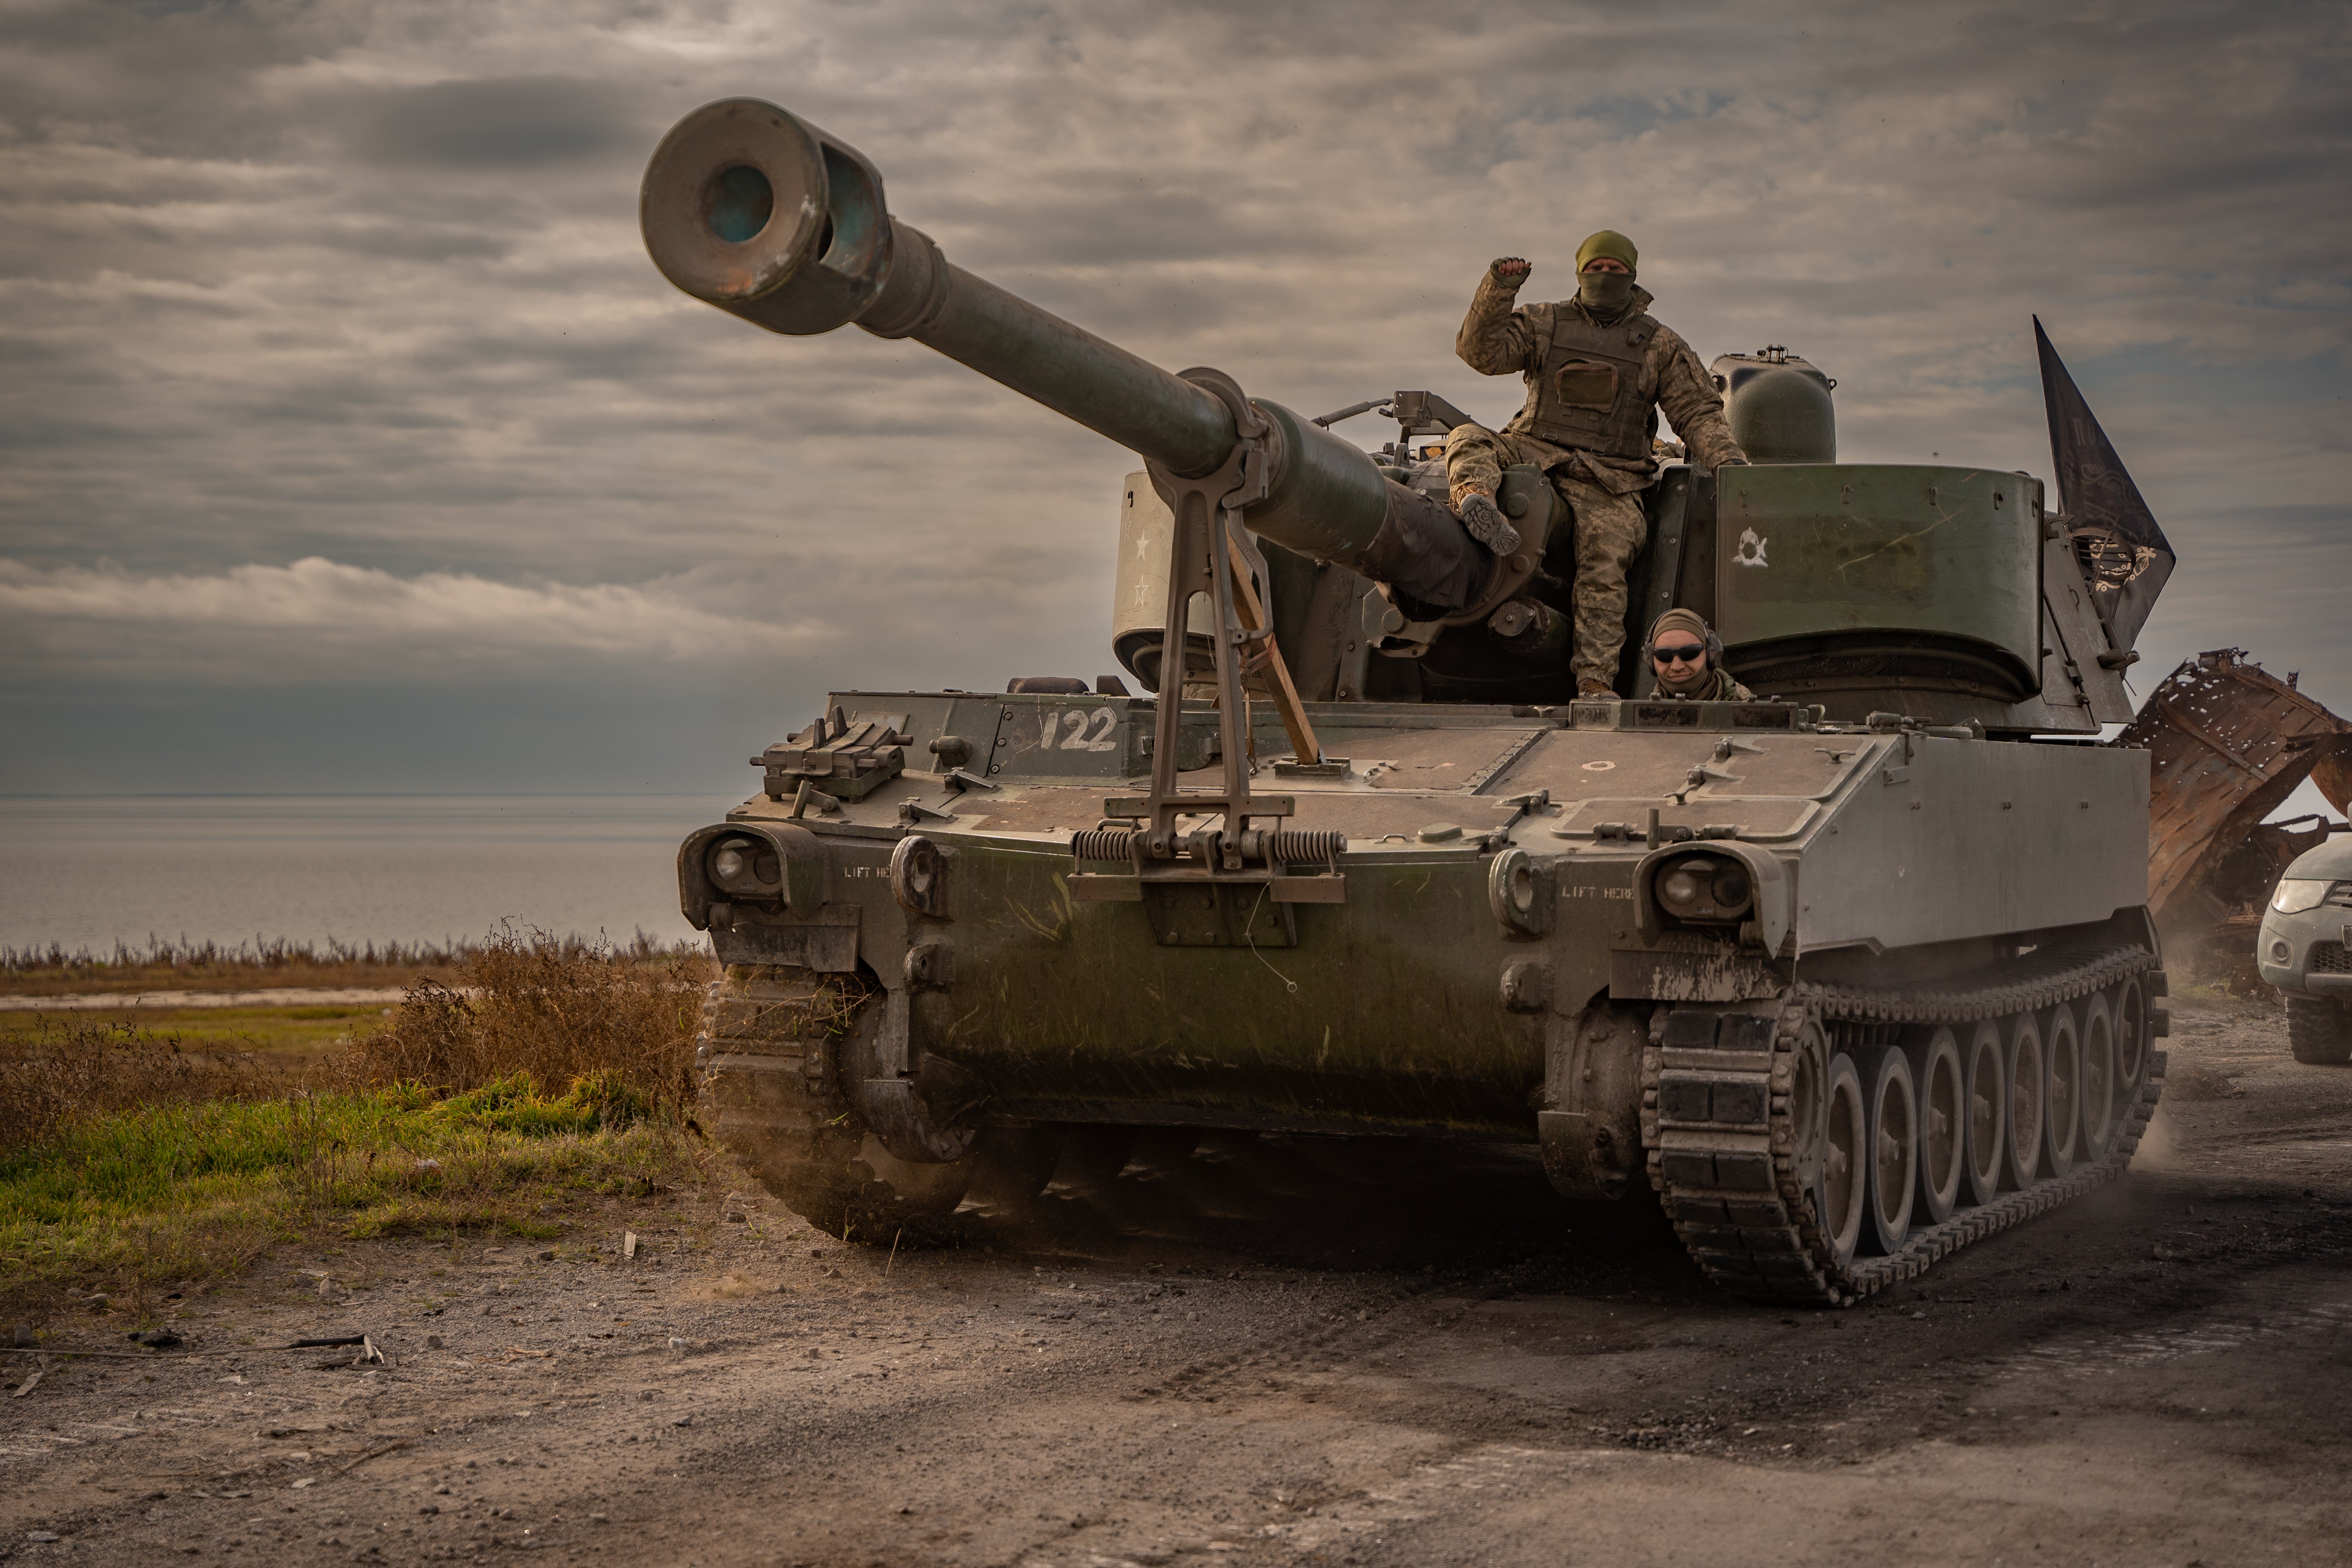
<point x="1894" y="1154"/>
<point x="2062" y="1099"/>
<point x="2127" y="1011"/>
<point x="2029" y="1085"/>
<point x="1987" y="1091"/>
<point x="1845" y="1137"/>
<point x="1809" y="1096"/>
<point x="1943" y="1126"/>
<point x="2101" y="1079"/>
<point x="2319" y="1033"/>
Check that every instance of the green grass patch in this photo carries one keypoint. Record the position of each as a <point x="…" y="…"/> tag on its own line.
<point x="180" y="1191"/>
<point x="133" y="1157"/>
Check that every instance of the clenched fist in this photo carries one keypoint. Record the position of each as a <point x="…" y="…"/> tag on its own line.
<point x="1510" y="271"/>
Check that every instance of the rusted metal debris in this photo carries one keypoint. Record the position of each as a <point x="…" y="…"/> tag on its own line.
<point x="2228" y="742"/>
<point x="2333" y="775"/>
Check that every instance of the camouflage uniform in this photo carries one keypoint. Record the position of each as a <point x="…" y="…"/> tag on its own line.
<point x="1593" y="392"/>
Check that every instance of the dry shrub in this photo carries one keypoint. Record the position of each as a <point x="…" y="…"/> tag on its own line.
<point x="35" y="970"/>
<point x="71" y="1070"/>
<point x="558" y="1011"/>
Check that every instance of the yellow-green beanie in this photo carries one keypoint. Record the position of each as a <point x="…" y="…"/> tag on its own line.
<point x="1612" y="244"/>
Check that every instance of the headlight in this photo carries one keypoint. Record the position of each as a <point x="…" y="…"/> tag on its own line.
<point x="1704" y="888"/>
<point x="740" y="865"/>
<point x="2295" y="895"/>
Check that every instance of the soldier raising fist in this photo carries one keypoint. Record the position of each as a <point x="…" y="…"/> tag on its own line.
<point x="1599" y="370"/>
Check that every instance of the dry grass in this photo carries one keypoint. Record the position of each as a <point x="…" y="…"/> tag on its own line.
<point x="78" y="1069"/>
<point x="288" y="1039"/>
<point x="265" y="965"/>
<point x="550" y="1008"/>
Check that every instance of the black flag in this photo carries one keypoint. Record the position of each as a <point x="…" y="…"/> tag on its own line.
<point x="2124" y="551"/>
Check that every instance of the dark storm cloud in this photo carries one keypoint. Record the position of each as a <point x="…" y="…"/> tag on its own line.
<point x="332" y="354"/>
<point x="495" y="122"/>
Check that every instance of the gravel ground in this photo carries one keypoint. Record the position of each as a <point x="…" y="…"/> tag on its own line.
<point x="1270" y="1352"/>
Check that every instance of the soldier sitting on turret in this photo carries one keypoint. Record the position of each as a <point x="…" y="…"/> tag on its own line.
<point x="1598" y="368"/>
<point x="1686" y="657"/>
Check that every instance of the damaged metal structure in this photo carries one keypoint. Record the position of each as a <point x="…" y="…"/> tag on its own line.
<point x="2228" y="742"/>
<point x="1851" y="975"/>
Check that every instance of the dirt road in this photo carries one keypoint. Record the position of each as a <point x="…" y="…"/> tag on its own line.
<point x="1273" y="1353"/>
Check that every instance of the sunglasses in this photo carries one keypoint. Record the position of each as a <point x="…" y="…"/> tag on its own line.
<point x="1681" y="653"/>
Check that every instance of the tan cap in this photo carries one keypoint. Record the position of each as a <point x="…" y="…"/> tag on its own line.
<point x="1690" y="621"/>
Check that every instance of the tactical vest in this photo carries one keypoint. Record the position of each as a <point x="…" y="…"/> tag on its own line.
<point x="1589" y="393"/>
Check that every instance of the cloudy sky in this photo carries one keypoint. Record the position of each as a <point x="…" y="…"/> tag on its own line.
<point x="349" y="442"/>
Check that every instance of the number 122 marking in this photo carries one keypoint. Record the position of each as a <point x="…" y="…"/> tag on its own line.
<point x="1078" y="734"/>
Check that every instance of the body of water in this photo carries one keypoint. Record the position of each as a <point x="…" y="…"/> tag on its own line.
<point x="93" y="872"/>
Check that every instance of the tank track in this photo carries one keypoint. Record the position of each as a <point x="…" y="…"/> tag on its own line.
<point x="1735" y="1190"/>
<point x="770" y="1049"/>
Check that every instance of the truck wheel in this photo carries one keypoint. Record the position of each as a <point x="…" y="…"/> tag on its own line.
<point x="2318" y="1033"/>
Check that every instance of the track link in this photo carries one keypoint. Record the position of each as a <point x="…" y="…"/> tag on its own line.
<point x="770" y="1049"/>
<point x="1720" y="1122"/>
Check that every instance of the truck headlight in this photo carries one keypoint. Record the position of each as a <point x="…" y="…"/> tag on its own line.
<point x="2296" y="894"/>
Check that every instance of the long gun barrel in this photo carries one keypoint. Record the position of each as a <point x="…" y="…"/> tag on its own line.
<point x="753" y="210"/>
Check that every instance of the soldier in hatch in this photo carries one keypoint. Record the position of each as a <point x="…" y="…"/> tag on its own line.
<point x="1687" y="660"/>
<point x="1599" y="369"/>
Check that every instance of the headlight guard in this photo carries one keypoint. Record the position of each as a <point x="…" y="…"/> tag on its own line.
<point x="1728" y="860"/>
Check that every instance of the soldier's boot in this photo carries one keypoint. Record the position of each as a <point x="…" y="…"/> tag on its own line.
<point x="1486" y="523"/>
<point x="1590" y="688"/>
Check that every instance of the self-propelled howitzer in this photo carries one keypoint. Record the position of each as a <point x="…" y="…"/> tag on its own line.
<point x="1850" y="980"/>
